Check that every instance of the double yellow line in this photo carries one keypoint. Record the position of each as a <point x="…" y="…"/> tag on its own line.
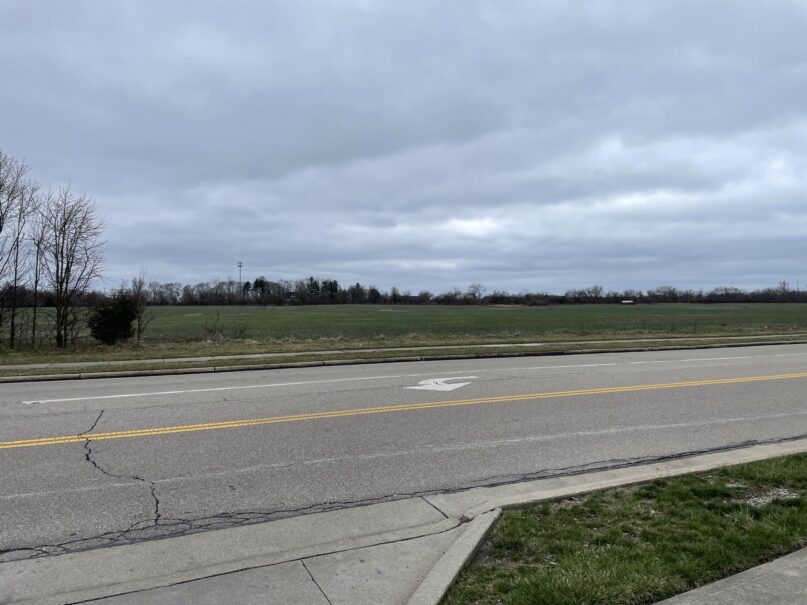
<point x="406" y="407"/>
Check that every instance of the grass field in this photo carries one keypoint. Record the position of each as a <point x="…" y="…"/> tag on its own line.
<point x="638" y="545"/>
<point x="464" y="324"/>
<point x="186" y="331"/>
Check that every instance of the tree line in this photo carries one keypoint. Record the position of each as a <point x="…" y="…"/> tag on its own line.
<point x="313" y="291"/>
<point x="51" y="253"/>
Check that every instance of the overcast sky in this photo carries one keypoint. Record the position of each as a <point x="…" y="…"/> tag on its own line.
<point x="526" y="145"/>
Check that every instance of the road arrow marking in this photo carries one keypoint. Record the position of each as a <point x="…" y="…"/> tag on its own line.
<point x="440" y="384"/>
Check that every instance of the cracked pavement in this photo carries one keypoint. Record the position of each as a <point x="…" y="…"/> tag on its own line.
<point x="105" y="492"/>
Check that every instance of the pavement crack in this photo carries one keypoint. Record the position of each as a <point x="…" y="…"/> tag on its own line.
<point x="605" y="465"/>
<point x="39" y="551"/>
<point x="158" y="527"/>
<point x="313" y="579"/>
<point x="88" y="456"/>
<point x="94" y="424"/>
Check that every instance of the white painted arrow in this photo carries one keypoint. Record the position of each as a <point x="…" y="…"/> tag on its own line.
<point x="440" y="384"/>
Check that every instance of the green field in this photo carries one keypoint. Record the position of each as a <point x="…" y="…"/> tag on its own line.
<point x="472" y="324"/>
<point x="186" y="331"/>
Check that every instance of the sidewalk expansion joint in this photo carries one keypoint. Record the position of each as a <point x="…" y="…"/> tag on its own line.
<point x="314" y="580"/>
<point x="433" y="505"/>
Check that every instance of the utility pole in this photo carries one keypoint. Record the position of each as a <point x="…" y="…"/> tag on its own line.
<point x="240" y="283"/>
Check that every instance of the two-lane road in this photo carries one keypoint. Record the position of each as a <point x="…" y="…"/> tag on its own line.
<point x="102" y="462"/>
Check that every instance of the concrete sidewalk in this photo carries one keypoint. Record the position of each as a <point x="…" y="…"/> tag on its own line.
<point x="404" y="551"/>
<point x="780" y="582"/>
<point x="257" y="356"/>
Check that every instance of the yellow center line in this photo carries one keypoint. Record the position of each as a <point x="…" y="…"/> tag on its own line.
<point x="404" y="407"/>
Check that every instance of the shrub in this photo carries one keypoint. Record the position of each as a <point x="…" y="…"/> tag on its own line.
<point x="111" y="321"/>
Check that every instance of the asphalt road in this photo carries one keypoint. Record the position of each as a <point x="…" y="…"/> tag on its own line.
<point x="85" y="464"/>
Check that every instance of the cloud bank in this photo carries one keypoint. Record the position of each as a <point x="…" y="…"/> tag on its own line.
<point x="527" y="145"/>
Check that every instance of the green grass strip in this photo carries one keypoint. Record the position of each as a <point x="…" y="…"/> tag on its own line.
<point x="641" y="544"/>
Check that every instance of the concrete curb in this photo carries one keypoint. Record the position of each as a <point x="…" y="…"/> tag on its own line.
<point x="39" y="378"/>
<point x="446" y="570"/>
<point x="370" y="360"/>
<point x="492" y="500"/>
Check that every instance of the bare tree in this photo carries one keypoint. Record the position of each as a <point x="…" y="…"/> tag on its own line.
<point x="477" y="291"/>
<point x="140" y="297"/>
<point x="12" y="185"/>
<point x="38" y="238"/>
<point x="73" y="255"/>
<point x="24" y="209"/>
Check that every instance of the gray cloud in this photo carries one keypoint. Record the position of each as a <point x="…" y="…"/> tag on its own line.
<point x="525" y="144"/>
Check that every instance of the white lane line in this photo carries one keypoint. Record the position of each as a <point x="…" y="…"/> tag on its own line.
<point x="394" y="376"/>
<point x="290" y="384"/>
<point x="244" y="387"/>
<point x="705" y="359"/>
<point x="215" y="389"/>
<point x="576" y="365"/>
<point x="649" y="361"/>
<point x="76" y="490"/>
